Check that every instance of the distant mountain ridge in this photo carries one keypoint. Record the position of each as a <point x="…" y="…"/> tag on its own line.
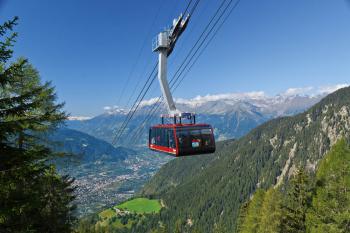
<point x="84" y="147"/>
<point x="232" y="115"/>
<point x="280" y="104"/>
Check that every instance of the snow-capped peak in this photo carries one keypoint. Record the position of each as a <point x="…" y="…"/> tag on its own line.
<point x="79" y="118"/>
<point x="223" y="103"/>
<point x="110" y="110"/>
<point x="200" y="100"/>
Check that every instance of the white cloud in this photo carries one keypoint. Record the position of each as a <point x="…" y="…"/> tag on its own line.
<point x="298" y="91"/>
<point x="113" y="109"/>
<point x="331" y="88"/>
<point x="253" y="95"/>
<point x="312" y="91"/>
<point x="79" y="118"/>
<point x="149" y="102"/>
<point x="228" y="96"/>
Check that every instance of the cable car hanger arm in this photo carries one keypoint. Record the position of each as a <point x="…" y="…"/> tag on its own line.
<point x="164" y="45"/>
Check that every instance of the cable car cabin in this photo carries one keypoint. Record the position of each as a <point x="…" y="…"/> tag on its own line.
<point x="182" y="139"/>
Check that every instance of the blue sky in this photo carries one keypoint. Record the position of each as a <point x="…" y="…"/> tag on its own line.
<point x="88" y="48"/>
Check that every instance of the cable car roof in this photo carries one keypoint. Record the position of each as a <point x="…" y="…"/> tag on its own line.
<point x="180" y="125"/>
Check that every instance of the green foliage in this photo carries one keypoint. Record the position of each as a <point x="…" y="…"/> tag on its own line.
<point x="160" y="229"/>
<point x="87" y="224"/>
<point x="6" y="49"/>
<point x="271" y="212"/>
<point x="297" y="202"/>
<point x="220" y="228"/>
<point x="330" y="211"/>
<point x="262" y="214"/>
<point x="212" y="188"/>
<point x="33" y="197"/>
<point x="178" y="226"/>
<point x="135" y="213"/>
<point x="250" y="224"/>
<point x="141" y="205"/>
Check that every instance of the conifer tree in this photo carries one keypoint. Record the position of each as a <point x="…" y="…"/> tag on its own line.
<point x="242" y="216"/>
<point x="250" y="223"/>
<point x="271" y="212"/>
<point x="296" y="203"/>
<point x="178" y="226"/>
<point x="33" y="197"/>
<point x="330" y="211"/>
<point x="220" y="227"/>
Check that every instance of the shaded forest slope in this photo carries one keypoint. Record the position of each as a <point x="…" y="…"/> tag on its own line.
<point x="208" y="190"/>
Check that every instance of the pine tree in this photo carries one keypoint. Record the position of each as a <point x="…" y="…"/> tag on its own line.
<point x="33" y="197"/>
<point x="330" y="211"/>
<point x="195" y="230"/>
<point x="250" y="223"/>
<point x="296" y="203"/>
<point x="220" y="228"/>
<point x="178" y="226"/>
<point x="242" y="216"/>
<point x="160" y="229"/>
<point x="271" y="212"/>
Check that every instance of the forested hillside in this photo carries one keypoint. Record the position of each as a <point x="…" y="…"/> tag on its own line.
<point x="319" y="204"/>
<point x="205" y="192"/>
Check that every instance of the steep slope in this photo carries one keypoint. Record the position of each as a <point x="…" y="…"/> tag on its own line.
<point x="318" y="204"/>
<point x="209" y="193"/>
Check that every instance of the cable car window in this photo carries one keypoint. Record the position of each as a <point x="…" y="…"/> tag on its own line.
<point x="171" y="138"/>
<point x="206" y="131"/>
<point x="183" y="138"/>
<point x="196" y="138"/>
<point x="207" y="140"/>
<point x="158" y="136"/>
<point x="152" y="136"/>
<point x="195" y="132"/>
<point x="207" y="137"/>
<point x="163" y="137"/>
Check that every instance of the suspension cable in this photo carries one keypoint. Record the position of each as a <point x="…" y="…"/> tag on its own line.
<point x="210" y="40"/>
<point x="201" y="44"/>
<point x="188" y="5"/>
<point x="198" y="40"/>
<point x="194" y="7"/>
<point x="132" y="111"/>
<point x="182" y="67"/>
<point x="196" y="59"/>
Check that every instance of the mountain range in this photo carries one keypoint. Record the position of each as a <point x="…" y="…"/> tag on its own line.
<point x="232" y="115"/>
<point x="120" y="172"/>
<point x="200" y="192"/>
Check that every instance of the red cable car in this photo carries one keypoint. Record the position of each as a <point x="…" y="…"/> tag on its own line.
<point x="182" y="139"/>
<point x="177" y="139"/>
